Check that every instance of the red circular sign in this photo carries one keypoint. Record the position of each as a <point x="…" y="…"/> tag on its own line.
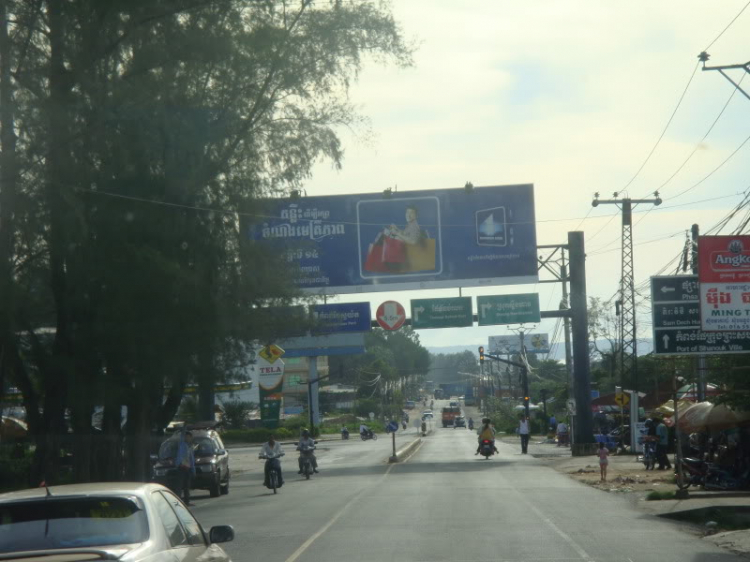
<point x="390" y="315"/>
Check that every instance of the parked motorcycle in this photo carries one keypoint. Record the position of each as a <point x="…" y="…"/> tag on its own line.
<point x="649" y="454"/>
<point x="719" y="479"/>
<point x="486" y="449"/>
<point x="694" y="472"/>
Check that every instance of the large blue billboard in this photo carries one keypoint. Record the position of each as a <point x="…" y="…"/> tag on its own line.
<point x="404" y="240"/>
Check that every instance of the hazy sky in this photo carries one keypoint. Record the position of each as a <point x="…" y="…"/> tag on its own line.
<point x="570" y="96"/>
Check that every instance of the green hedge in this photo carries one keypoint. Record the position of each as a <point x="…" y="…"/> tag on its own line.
<point x="258" y="435"/>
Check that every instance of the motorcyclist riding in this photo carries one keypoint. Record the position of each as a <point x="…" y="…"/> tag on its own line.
<point x="471" y="423"/>
<point x="486" y="433"/>
<point x="272" y="452"/>
<point x="309" y="442"/>
<point x="364" y="430"/>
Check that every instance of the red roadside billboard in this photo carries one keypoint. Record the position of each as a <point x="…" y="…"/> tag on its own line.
<point x="724" y="277"/>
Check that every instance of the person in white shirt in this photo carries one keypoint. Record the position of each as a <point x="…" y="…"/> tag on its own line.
<point x="562" y="434"/>
<point x="272" y="452"/>
<point x="523" y="431"/>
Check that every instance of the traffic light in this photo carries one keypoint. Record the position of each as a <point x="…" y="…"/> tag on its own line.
<point x="481" y="354"/>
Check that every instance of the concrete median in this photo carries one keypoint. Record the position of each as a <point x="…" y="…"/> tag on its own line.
<point x="406" y="451"/>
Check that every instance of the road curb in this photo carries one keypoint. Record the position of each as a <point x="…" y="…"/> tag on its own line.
<point x="406" y="451"/>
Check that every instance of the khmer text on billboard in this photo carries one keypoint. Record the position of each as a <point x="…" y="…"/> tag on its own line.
<point x="403" y="240"/>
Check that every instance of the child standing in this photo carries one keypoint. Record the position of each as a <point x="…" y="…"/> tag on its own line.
<point x="603" y="461"/>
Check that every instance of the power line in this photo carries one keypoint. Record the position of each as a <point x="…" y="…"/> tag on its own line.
<point x="711" y="44"/>
<point x="664" y="131"/>
<point x="712" y="172"/>
<point x="700" y="142"/>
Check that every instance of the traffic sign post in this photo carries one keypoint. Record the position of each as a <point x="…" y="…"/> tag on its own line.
<point x="441" y="313"/>
<point x="677" y="322"/>
<point x="508" y="309"/>
<point x="390" y="315"/>
<point x="622" y="399"/>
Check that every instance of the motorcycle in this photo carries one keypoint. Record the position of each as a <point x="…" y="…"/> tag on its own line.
<point x="720" y="479"/>
<point x="424" y="429"/>
<point x="486" y="449"/>
<point x="403" y="424"/>
<point x="649" y="454"/>
<point x="305" y="453"/>
<point x="274" y="476"/>
<point x="694" y="472"/>
<point x="368" y="435"/>
<point x="471" y="426"/>
<point x="344" y="434"/>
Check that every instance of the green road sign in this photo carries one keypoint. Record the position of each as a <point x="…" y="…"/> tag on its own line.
<point x="441" y="313"/>
<point x="508" y="309"/>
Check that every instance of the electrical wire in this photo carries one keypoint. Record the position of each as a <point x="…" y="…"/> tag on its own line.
<point x="664" y="131"/>
<point x="734" y="19"/>
<point x="712" y="172"/>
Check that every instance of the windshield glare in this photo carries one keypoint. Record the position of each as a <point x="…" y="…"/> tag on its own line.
<point x="69" y="523"/>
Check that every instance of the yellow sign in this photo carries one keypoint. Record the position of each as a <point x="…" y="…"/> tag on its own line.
<point x="271" y="353"/>
<point x="622" y="399"/>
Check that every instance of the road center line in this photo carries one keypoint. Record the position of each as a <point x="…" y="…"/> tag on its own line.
<point x="305" y="545"/>
<point x="567" y="538"/>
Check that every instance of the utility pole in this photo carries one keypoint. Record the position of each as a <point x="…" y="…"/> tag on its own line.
<point x="704" y="56"/>
<point x="565" y="304"/>
<point x="584" y="428"/>
<point x="628" y="327"/>
<point x="701" y="362"/>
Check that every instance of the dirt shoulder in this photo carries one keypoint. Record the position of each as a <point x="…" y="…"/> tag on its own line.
<point x="722" y="518"/>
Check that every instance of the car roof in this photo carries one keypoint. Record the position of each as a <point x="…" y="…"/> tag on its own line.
<point x="83" y="490"/>
<point x="195" y="433"/>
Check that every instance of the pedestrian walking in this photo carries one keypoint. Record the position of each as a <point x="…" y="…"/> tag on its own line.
<point x="523" y="431"/>
<point x="185" y="461"/>
<point x="662" y="433"/>
<point x="603" y="461"/>
<point x="552" y="424"/>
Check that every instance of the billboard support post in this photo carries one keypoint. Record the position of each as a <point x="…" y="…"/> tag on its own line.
<point x="584" y="428"/>
<point x="701" y="361"/>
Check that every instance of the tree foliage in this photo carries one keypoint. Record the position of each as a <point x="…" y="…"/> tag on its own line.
<point x="137" y="136"/>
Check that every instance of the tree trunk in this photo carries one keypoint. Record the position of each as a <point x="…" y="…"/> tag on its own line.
<point x="8" y="178"/>
<point x="82" y="441"/>
<point x="110" y="454"/>
<point x="47" y="459"/>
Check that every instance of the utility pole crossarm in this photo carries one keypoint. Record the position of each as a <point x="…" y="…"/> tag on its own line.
<point x="704" y="56"/>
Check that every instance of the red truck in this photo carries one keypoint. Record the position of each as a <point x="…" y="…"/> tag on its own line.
<point x="449" y="415"/>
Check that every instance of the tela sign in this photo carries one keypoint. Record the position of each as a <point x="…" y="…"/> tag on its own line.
<point x="724" y="276"/>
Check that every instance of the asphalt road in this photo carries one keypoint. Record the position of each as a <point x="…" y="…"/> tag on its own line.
<point x="444" y="503"/>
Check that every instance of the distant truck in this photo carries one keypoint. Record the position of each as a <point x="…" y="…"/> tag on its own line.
<point x="449" y="415"/>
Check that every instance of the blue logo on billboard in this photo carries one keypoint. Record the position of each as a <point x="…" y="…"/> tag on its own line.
<point x="491" y="227"/>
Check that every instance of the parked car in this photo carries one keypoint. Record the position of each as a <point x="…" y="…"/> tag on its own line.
<point x="114" y="521"/>
<point x="459" y="421"/>
<point x="410" y="404"/>
<point x="211" y="462"/>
